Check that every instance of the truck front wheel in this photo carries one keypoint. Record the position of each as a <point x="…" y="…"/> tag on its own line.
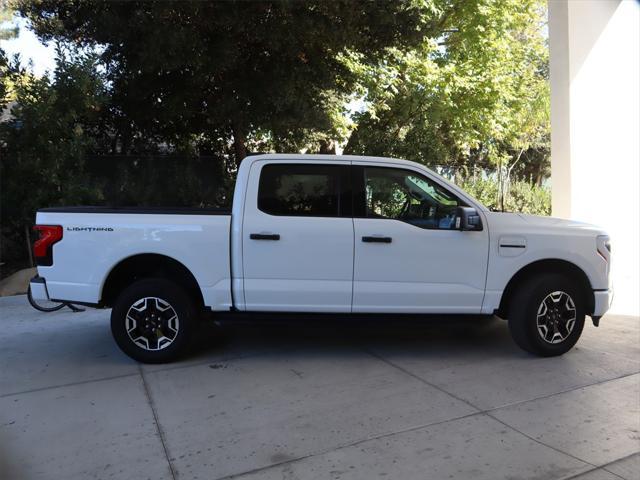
<point x="546" y="315"/>
<point x="153" y="321"/>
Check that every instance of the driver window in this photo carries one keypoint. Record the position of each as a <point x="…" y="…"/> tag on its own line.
<point x="409" y="197"/>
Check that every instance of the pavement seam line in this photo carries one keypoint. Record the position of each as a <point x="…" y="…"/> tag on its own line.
<point x="72" y="384"/>
<point x="348" y="445"/>
<point x="422" y="380"/>
<point x="568" y="390"/>
<point x="411" y="429"/>
<point x="613" y="354"/>
<point x="125" y="375"/>
<point x="586" y="472"/>
<point x="506" y="405"/>
<point x="243" y="357"/>
<point x="152" y="406"/>
<point x="603" y="467"/>
<point x="375" y="437"/>
<point x="488" y="412"/>
<point x="519" y="402"/>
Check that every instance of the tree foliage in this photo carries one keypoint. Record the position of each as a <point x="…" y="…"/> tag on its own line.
<point x="458" y="83"/>
<point x="476" y="93"/>
<point x="54" y="124"/>
<point x="7" y="32"/>
<point x="262" y="69"/>
<point x="524" y="196"/>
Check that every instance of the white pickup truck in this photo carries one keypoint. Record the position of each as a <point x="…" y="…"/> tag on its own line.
<point x="325" y="234"/>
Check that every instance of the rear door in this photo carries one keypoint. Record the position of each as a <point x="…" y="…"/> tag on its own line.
<point x="408" y="255"/>
<point x="297" y="237"/>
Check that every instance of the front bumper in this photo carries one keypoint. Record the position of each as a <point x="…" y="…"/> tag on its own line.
<point x="603" y="299"/>
<point x="38" y="287"/>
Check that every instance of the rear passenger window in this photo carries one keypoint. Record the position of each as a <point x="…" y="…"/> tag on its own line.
<point x="302" y="190"/>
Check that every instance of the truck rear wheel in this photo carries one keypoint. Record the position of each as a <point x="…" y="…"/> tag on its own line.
<point x="546" y="315"/>
<point x="153" y="321"/>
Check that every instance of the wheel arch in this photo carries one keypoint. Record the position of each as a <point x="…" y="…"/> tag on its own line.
<point x="147" y="265"/>
<point x="550" y="265"/>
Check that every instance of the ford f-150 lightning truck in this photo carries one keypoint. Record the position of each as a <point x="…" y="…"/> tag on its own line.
<point x="324" y="234"/>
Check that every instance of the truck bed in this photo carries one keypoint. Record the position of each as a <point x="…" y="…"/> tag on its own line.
<point x="96" y="240"/>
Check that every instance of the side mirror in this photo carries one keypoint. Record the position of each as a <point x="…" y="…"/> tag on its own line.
<point x="467" y="218"/>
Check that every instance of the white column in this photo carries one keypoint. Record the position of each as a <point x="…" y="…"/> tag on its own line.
<point x="595" y="127"/>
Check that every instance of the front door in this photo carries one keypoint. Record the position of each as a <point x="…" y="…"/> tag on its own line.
<point x="297" y="238"/>
<point x="408" y="255"/>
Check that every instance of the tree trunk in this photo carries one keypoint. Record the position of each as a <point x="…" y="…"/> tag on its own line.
<point x="327" y="147"/>
<point x="351" y="143"/>
<point x="506" y="182"/>
<point x="239" y="142"/>
<point x="500" y="183"/>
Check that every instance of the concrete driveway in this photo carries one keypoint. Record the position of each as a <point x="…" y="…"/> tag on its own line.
<point x="414" y="400"/>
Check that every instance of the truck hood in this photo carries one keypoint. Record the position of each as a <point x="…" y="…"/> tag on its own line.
<point x="547" y="223"/>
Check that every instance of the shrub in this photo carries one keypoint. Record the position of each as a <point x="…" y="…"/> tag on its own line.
<point x="521" y="196"/>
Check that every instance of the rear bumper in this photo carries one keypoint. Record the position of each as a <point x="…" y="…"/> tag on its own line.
<point x="38" y="287"/>
<point x="603" y="299"/>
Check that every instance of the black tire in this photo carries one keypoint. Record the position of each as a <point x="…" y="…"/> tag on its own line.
<point x="146" y="329"/>
<point x="547" y="330"/>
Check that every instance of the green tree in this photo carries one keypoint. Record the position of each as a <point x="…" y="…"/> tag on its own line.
<point x="258" y="73"/>
<point x="7" y="32"/>
<point x="53" y="125"/>
<point x="454" y="82"/>
<point x="476" y="94"/>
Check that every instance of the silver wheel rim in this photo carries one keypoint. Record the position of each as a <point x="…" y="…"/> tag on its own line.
<point x="152" y="323"/>
<point x="556" y="317"/>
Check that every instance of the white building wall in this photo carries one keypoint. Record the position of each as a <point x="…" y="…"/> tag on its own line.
<point x="595" y="127"/>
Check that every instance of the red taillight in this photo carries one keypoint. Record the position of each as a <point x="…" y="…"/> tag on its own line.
<point x="42" y="248"/>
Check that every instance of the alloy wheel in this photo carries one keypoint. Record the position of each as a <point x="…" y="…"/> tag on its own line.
<point x="152" y="323"/>
<point x="556" y="317"/>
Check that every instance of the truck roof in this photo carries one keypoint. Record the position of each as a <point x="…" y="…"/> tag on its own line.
<point x="325" y="157"/>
